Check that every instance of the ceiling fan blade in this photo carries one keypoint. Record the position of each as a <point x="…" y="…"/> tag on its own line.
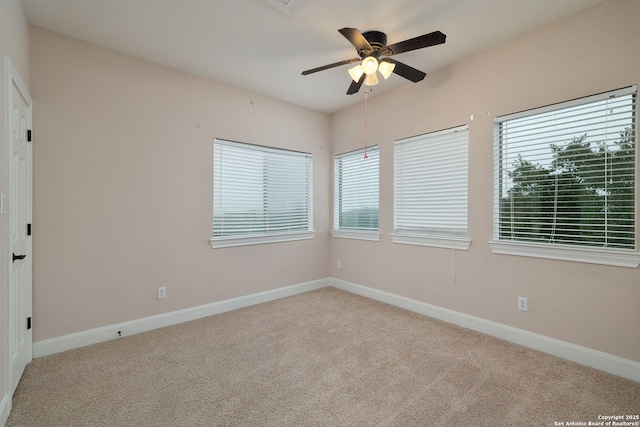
<point x="406" y="71"/>
<point x="357" y="39"/>
<point x="419" y="42"/>
<point x="326" y="67"/>
<point x="355" y="86"/>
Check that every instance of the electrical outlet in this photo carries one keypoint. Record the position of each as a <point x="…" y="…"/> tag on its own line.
<point x="162" y="292"/>
<point x="523" y="304"/>
<point x="339" y="264"/>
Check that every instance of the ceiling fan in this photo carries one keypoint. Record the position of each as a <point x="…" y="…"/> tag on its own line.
<point x="375" y="56"/>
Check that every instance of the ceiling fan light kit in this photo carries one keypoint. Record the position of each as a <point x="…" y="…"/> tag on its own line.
<point x="371" y="46"/>
<point x="356" y="72"/>
<point x="370" y="65"/>
<point x="371" y="80"/>
<point x="386" y="68"/>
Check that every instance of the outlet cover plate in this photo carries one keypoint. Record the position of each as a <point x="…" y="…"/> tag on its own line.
<point x="523" y="304"/>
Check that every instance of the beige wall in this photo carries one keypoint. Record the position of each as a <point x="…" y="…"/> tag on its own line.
<point x="14" y="43"/>
<point x="122" y="185"/>
<point x="123" y="188"/>
<point x="590" y="305"/>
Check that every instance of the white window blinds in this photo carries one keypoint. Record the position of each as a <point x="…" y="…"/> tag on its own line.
<point x="260" y="191"/>
<point x="566" y="173"/>
<point x="431" y="184"/>
<point x="355" y="190"/>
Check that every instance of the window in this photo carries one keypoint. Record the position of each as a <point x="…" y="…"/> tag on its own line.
<point x="355" y="194"/>
<point x="431" y="189"/>
<point x="565" y="181"/>
<point x="260" y="194"/>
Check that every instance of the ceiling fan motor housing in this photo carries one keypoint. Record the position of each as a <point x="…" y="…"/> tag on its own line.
<point x="377" y="40"/>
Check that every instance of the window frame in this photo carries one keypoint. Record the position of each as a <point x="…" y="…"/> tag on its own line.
<point x="457" y="237"/>
<point x="564" y="251"/>
<point x="354" y="233"/>
<point x="265" y="236"/>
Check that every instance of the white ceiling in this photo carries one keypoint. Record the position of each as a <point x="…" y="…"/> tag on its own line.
<point x="253" y="45"/>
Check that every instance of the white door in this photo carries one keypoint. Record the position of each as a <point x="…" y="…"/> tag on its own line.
<point x="19" y="166"/>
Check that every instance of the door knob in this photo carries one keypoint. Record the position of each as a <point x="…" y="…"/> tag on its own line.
<point x="15" y="257"/>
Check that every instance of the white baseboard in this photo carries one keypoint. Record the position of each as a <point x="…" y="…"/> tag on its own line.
<point x="110" y="332"/>
<point x="585" y="356"/>
<point x="5" y="409"/>
<point x="593" y="358"/>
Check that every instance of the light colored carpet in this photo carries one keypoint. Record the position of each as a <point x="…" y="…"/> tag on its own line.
<point x="323" y="358"/>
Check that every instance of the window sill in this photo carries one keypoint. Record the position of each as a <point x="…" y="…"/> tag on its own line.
<point x="436" y="242"/>
<point x="373" y="236"/>
<point x="615" y="257"/>
<point x="227" y="242"/>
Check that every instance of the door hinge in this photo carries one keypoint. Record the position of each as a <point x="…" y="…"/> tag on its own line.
<point x="28" y="229"/>
<point x="29" y="135"/>
<point x="28" y="322"/>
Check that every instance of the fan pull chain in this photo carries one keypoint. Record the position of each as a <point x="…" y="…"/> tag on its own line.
<point x="366" y="96"/>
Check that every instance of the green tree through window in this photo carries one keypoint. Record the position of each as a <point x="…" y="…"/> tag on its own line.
<point x="577" y="191"/>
